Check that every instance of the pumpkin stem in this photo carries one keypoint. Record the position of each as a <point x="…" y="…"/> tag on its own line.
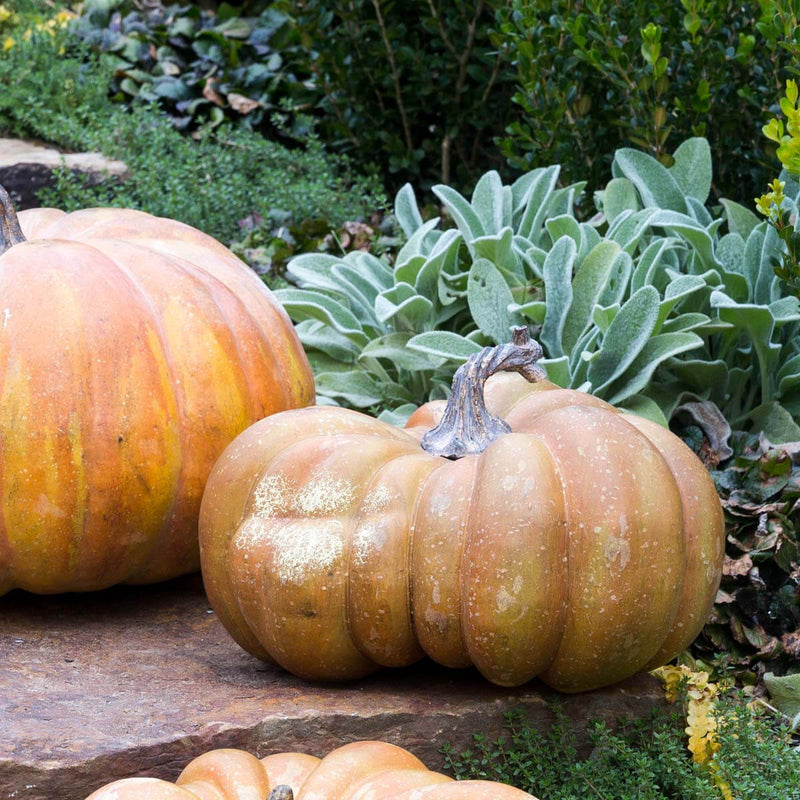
<point x="281" y="792"/>
<point x="467" y="427"/>
<point x="10" y="231"/>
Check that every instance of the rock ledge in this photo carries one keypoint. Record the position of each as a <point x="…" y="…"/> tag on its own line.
<point x="139" y="680"/>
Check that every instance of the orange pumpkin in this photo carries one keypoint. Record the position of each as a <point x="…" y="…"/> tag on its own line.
<point x="357" y="771"/>
<point x="541" y="533"/>
<point x="133" y="349"/>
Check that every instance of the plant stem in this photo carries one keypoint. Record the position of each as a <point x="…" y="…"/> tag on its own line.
<point x="395" y="76"/>
<point x="10" y="230"/>
<point x="467" y="427"/>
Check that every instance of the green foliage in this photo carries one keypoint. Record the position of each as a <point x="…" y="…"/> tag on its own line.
<point x="267" y="244"/>
<point x="595" y="76"/>
<point x="201" y="67"/>
<point x="755" y="624"/>
<point x="416" y="88"/>
<point x="772" y="204"/>
<point x="646" y="305"/>
<point x="642" y="759"/>
<point x="209" y="182"/>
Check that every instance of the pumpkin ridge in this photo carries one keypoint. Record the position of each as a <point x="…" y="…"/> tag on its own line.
<point x="246" y="512"/>
<point x="464" y="530"/>
<point x="421" y="490"/>
<point x="584" y="543"/>
<point x="212" y="284"/>
<point x="163" y="237"/>
<point x="88" y="433"/>
<point x="372" y="502"/>
<point x="156" y="323"/>
<point x="522" y="563"/>
<point x="278" y="362"/>
<point x="307" y="501"/>
<point x="557" y="468"/>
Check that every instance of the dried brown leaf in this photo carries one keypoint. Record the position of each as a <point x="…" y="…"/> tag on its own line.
<point x="211" y="94"/>
<point x="737" y="567"/>
<point x="791" y="643"/>
<point x="242" y="104"/>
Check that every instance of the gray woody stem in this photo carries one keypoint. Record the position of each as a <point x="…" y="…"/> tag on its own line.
<point x="10" y="231"/>
<point x="466" y="427"/>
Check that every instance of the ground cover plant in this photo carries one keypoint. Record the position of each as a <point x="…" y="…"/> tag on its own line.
<point x="53" y="88"/>
<point x="756" y="621"/>
<point x="749" y="755"/>
<point x="416" y="90"/>
<point x="655" y="301"/>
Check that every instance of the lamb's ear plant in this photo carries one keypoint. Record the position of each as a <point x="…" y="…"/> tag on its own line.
<point x="648" y="304"/>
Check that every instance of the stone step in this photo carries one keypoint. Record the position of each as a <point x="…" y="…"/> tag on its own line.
<point x="26" y="167"/>
<point x="140" y="680"/>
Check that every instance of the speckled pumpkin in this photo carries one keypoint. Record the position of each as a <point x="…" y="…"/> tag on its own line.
<point x="357" y="771"/>
<point x="133" y="349"/>
<point x="539" y="533"/>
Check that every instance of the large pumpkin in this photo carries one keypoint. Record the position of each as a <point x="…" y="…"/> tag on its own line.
<point x="571" y="542"/>
<point x="357" y="771"/>
<point x="132" y="350"/>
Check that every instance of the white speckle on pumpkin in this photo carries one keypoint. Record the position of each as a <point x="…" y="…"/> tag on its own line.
<point x="45" y="508"/>
<point x="302" y="550"/>
<point x="324" y="495"/>
<point x="617" y="552"/>
<point x="508" y="483"/>
<point x="377" y="499"/>
<point x="299" y="549"/>
<point x="440" y="503"/>
<point x="367" y="539"/>
<point x="272" y="496"/>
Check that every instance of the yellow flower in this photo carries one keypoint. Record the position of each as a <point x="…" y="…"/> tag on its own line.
<point x="5" y="14"/>
<point x="8" y="43"/>
<point x="701" y="721"/>
<point x="64" y="16"/>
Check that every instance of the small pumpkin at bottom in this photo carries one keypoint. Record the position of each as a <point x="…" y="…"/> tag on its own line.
<point x="358" y="771"/>
<point x="522" y="528"/>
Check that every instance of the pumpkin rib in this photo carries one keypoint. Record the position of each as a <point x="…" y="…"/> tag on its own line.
<point x="218" y="323"/>
<point x="213" y="285"/>
<point x="701" y="550"/>
<point x="412" y="548"/>
<point x="433" y="627"/>
<point x="281" y="609"/>
<point x="157" y="324"/>
<point x="492" y="553"/>
<point x="136" y="306"/>
<point x="249" y="289"/>
<point x="387" y="493"/>
<point x="520" y="409"/>
<point x="274" y="359"/>
<point x="465" y="529"/>
<point x="215" y="556"/>
<point x="542" y="427"/>
<point x="176" y="240"/>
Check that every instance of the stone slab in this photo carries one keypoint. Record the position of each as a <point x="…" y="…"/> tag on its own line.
<point x="26" y="167"/>
<point x="139" y="680"/>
